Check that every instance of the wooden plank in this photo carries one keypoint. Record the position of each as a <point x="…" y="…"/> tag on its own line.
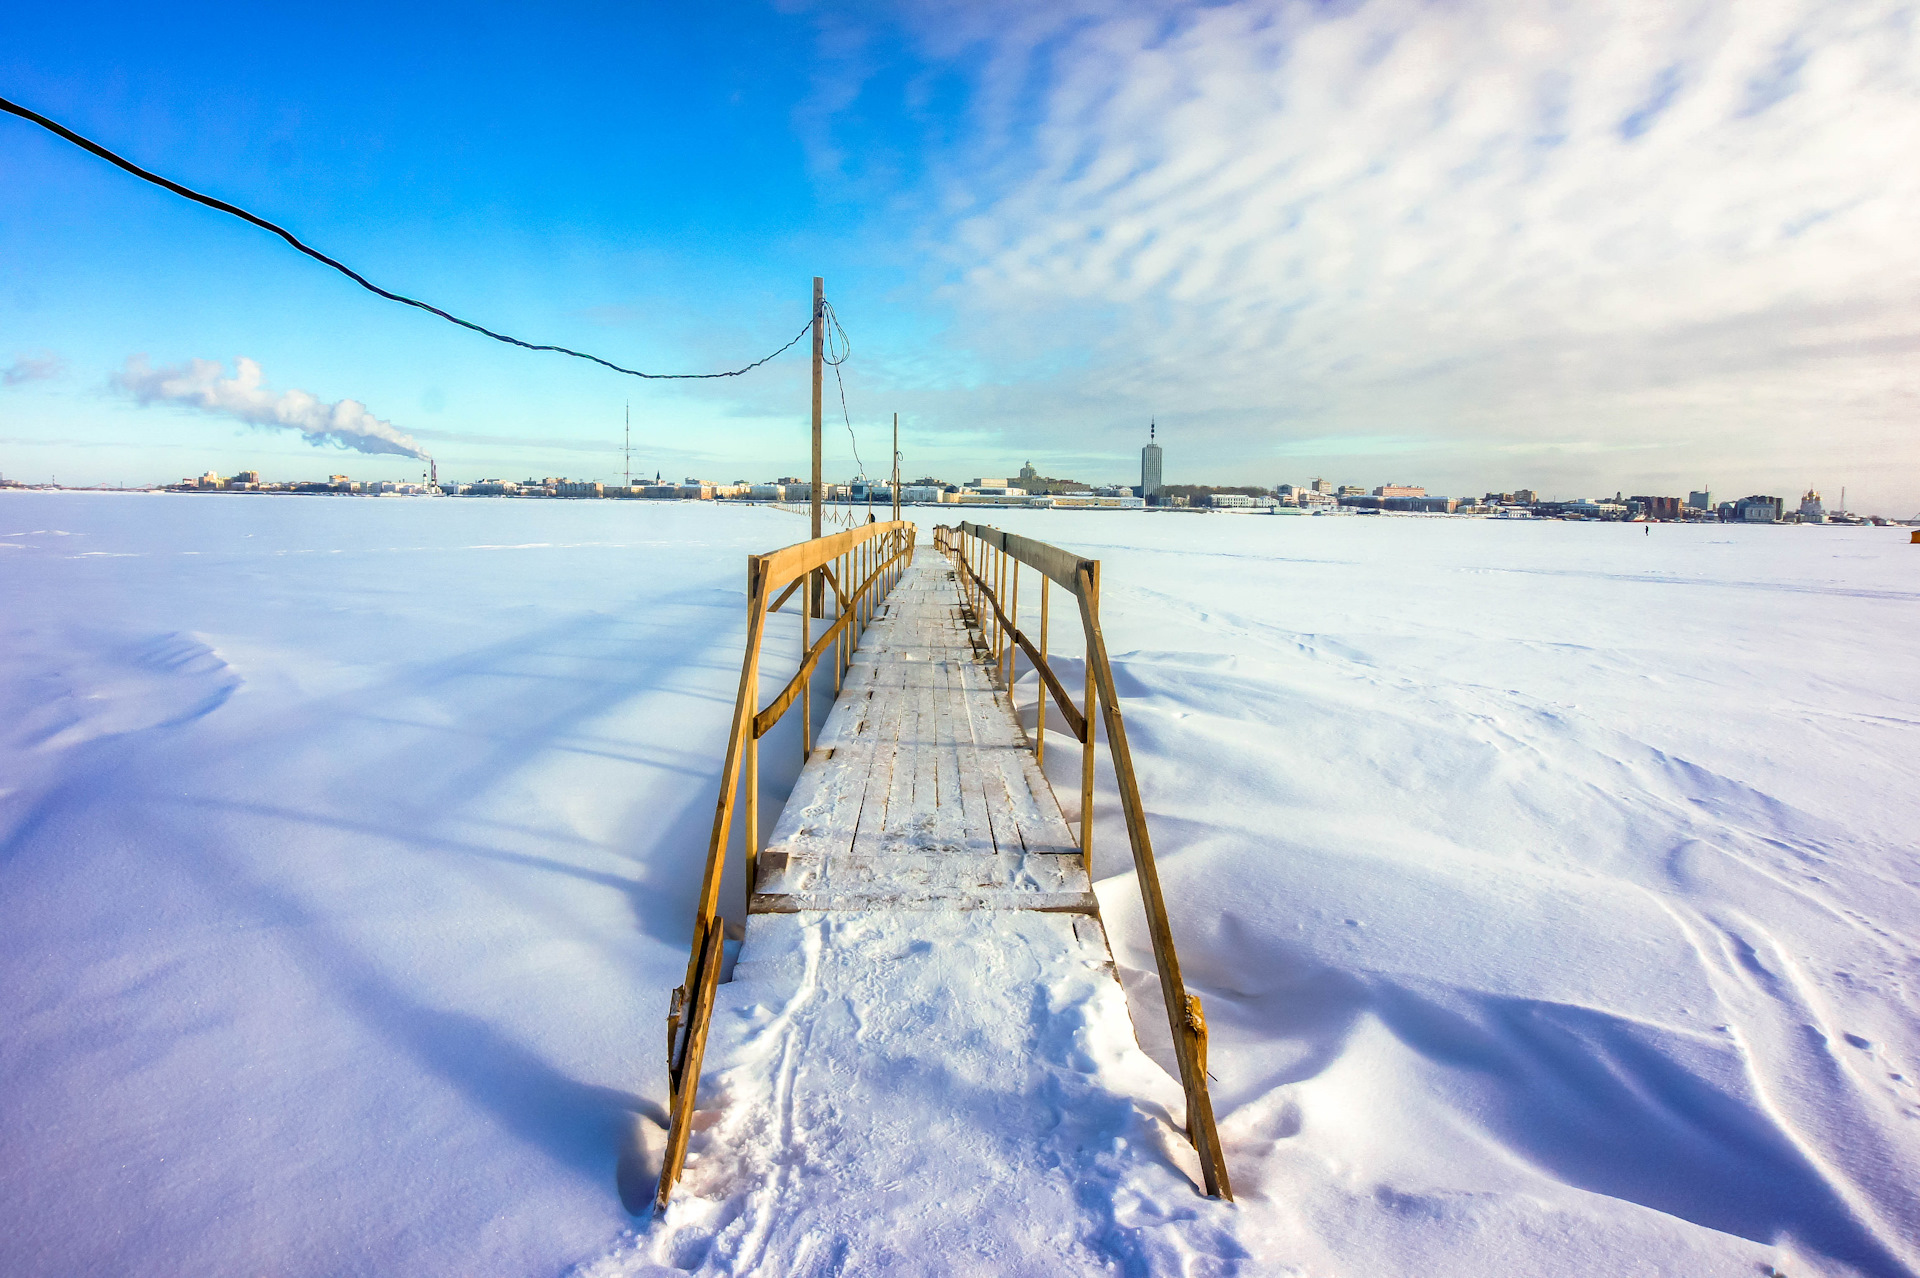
<point x="977" y="822"/>
<point x="950" y="815"/>
<point x="926" y="754"/>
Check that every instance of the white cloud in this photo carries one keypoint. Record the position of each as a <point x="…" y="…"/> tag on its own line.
<point x="1537" y="224"/>
<point x="202" y="384"/>
<point x="32" y="368"/>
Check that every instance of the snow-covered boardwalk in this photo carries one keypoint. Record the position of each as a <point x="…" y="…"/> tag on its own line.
<point x="922" y="792"/>
<point x="924" y="1023"/>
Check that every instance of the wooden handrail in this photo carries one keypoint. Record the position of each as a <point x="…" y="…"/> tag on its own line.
<point x="764" y="721"/>
<point x="1062" y="566"/>
<point x="1188" y="1043"/>
<point x="691" y="1007"/>
<point x="1075" y="719"/>
<point x="803" y="557"/>
<point x="1185" y="1017"/>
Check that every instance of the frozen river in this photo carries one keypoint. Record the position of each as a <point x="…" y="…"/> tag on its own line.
<point x="1551" y="888"/>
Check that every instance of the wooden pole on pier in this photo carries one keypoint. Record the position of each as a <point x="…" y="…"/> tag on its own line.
<point x="814" y="588"/>
<point x="819" y="334"/>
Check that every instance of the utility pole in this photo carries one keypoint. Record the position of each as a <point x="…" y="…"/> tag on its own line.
<point x="896" y="468"/>
<point x="816" y="587"/>
<point x="819" y="335"/>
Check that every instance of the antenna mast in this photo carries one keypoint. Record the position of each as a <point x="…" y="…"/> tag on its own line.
<point x="629" y="444"/>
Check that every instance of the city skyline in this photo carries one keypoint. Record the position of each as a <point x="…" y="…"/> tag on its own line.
<point x="1580" y="251"/>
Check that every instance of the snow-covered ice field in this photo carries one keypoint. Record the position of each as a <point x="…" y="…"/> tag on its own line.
<point x="1552" y="888"/>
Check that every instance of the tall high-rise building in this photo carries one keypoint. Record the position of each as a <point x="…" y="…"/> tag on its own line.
<point x="1700" y="500"/>
<point x="1150" y="464"/>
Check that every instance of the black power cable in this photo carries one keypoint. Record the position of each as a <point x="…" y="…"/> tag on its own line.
<point x="846" y="350"/>
<point x="85" y="144"/>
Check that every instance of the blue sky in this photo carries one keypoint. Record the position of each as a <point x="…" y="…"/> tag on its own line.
<point x="1582" y="248"/>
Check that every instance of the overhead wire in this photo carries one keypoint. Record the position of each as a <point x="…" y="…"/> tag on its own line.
<point x="87" y="144"/>
<point x="846" y="349"/>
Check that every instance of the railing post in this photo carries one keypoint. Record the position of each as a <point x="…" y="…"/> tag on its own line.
<point x="1090" y="719"/>
<point x="693" y="1002"/>
<point x="1185" y="1021"/>
<point x="808" y="593"/>
<point x="1040" y="732"/>
<point x="753" y="813"/>
<point x="753" y="755"/>
<point x="979" y="579"/>
<point x="999" y="591"/>
<point x="1013" y="619"/>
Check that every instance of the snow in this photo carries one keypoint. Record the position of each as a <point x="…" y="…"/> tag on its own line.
<point x="1551" y="889"/>
<point x="931" y="1092"/>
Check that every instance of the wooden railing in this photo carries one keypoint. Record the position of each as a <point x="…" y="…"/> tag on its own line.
<point x="852" y="571"/>
<point x="988" y="562"/>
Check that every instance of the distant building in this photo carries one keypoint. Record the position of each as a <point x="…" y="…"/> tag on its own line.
<point x="1811" y="511"/>
<point x="1658" y="507"/>
<point x="1388" y="490"/>
<point x="921" y="492"/>
<point x="1700" y="500"/>
<point x="1758" y="510"/>
<point x="1324" y="486"/>
<point x="577" y="488"/>
<point x="1151" y="480"/>
<point x="1090" y="501"/>
<point x="1346" y="490"/>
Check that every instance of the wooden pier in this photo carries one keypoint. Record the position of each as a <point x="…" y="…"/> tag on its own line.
<point x="921" y="847"/>
<point x="922" y="792"/>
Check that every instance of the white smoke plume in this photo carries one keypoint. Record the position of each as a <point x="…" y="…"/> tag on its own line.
<point x="203" y="384"/>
